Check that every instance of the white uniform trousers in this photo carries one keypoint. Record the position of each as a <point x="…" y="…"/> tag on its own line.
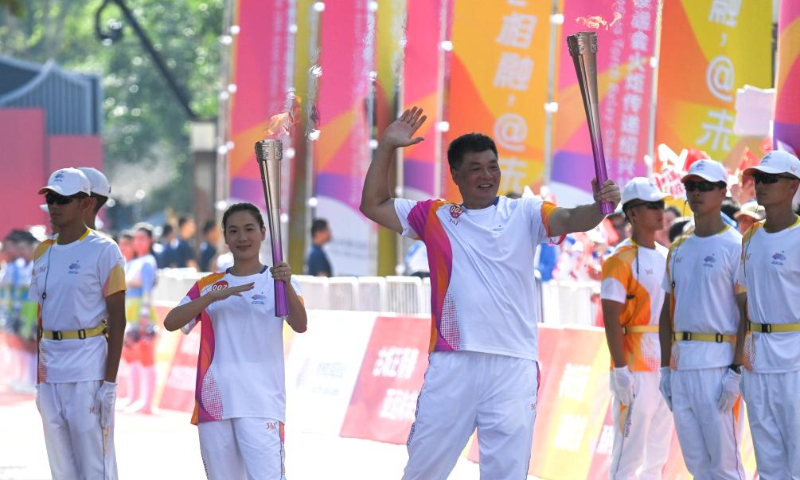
<point x="242" y="448"/>
<point x="709" y="439"/>
<point x="462" y="391"/>
<point x="77" y="447"/>
<point x="773" y="409"/>
<point x="642" y="432"/>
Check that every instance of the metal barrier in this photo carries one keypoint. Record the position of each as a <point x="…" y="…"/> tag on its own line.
<point x="563" y="303"/>
<point x="372" y="294"/>
<point x="404" y="295"/>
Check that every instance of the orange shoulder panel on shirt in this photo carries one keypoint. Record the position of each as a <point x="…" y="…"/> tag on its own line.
<point x="41" y="249"/>
<point x="618" y="266"/>
<point x="209" y="280"/>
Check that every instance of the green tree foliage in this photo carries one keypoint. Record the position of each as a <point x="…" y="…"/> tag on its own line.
<point x="145" y="130"/>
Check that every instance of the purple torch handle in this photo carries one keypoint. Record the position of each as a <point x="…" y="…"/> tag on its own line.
<point x="269" y="154"/>
<point x="583" y="49"/>
<point x="606" y="208"/>
<point x="281" y="301"/>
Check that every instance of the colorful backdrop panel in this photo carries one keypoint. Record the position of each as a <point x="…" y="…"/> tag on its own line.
<point x="708" y="50"/>
<point x="787" y="103"/>
<point x="625" y="81"/>
<point x="498" y="84"/>
<point x="259" y="73"/>
<point x="342" y="154"/>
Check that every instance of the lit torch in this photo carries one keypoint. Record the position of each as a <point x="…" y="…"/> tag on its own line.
<point x="269" y="154"/>
<point x="583" y="49"/>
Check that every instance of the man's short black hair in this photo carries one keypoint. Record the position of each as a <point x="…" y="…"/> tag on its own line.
<point x="20" y="236"/>
<point x="674" y="210"/>
<point x="166" y="230"/>
<point x="730" y="207"/>
<point x="183" y="220"/>
<point x="676" y="228"/>
<point x="208" y="226"/>
<point x="318" y="225"/>
<point x="100" y="201"/>
<point x="471" y="142"/>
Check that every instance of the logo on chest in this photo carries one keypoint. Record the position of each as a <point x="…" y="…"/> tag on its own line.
<point x="220" y="285"/>
<point x="709" y="261"/>
<point x="74" y="268"/>
<point x="258" y="299"/>
<point x="455" y="212"/>
<point x="778" y="258"/>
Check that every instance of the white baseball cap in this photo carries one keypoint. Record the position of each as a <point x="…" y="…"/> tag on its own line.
<point x="99" y="182"/>
<point x="710" y="170"/>
<point x="777" y="161"/>
<point x="67" y="182"/>
<point x="640" y="188"/>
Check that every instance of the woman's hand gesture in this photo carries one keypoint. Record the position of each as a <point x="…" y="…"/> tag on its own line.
<point x="222" y="294"/>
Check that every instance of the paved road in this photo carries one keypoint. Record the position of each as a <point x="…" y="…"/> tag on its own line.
<point x="165" y="446"/>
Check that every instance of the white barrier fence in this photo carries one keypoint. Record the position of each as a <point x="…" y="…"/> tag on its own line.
<point x="562" y="303"/>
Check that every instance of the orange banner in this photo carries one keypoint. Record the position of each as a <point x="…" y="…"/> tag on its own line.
<point x="498" y="84"/>
<point x="715" y="48"/>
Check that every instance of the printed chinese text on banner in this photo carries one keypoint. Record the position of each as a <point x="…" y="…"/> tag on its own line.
<point x="626" y="42"/>
<point x="259" y="73"/>
<point x="572" y="404"/>
<point x="708" y="50"/>
<point x="342" y="153"/>
<point x="385" y="396"/>
<point x="498" y="84"/>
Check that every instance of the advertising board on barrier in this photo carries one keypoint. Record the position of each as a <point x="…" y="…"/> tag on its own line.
<point x="322" y="369"/>
<point x="385" y="395"/>
<point x="182" y="377"/>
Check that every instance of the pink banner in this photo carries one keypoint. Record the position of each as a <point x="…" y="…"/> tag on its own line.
<point x="342" y="153"/>
<point x="422" y="87"/>
<point x="384" y="399"/>
<point x="787" y="83"/>
<point x="259" y="74"/>
<point x="626" y="42"/>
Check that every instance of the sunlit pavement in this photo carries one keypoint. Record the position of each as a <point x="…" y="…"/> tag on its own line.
<point x="165" y="446"/>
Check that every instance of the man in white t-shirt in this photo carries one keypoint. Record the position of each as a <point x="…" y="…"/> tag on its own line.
<point x="631" y="299"/>
<point x="483" y="369"/>
<point x="699" y="321"/>
<point x="79" y="282"/>
<point x="770" y="275"/>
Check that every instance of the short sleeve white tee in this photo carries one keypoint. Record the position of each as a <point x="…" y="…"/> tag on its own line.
<point x="482" y="271"/>
<point x="632" y="276"/>
<point x="240" y="371"/>
<point x="704" y="271"/>
<point x="71" y="283"/>
<point x="770" y="272"/>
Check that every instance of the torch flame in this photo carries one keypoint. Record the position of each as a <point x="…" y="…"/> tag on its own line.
<point x="597" y="21"/>
<point x="283" y="122"/>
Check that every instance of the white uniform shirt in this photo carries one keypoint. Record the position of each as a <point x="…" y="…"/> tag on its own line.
<point x="632" y="275"/>
<point x="240" y="370"/>
<point x="770" y="273"/>
<point x="482" y="275"/>
<point x="76" y="278"/>
<point x="704" y="270"/>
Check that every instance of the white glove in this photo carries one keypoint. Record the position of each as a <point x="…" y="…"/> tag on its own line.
<point x="622" y="385"/>
<point x="665" y="385"/>
<point x="730" y="390"/>
<point x="104" y="401"/>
